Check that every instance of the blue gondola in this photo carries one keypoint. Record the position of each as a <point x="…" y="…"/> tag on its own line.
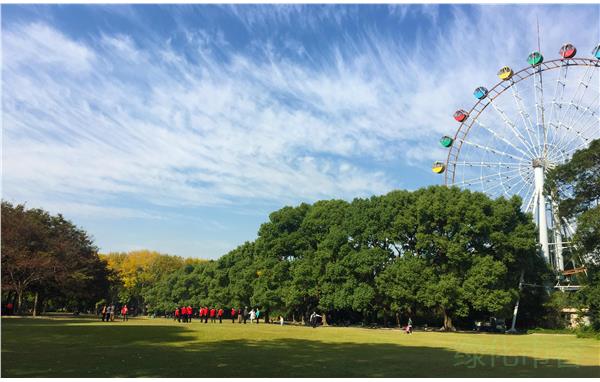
<point x="480" y="92"/>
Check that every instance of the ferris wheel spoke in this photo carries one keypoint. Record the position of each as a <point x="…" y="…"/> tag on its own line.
<point x="517" y="180"/>
<point x="584" y="111"/>
<point x="562" y="135"/>
<point x="572" y="127"/>
<point x="511" y="126"/>
<point x="559" y="91"/>
<point x="526" y="181"/>
<point x="502" y="179"/>
<point x="492" y="150"/>
<point x="528" y="126"/>
<point x="583" y="85"/>
<point x="482" y="178"/>
<point x="489" y="164"/>
<point x="573" y="149"/>
<point x="503" y="139"/>
<point x="539" y="110"/>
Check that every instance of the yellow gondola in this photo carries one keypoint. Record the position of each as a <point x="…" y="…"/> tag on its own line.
<point x="505" y="73"/>
<point x="438" y="167"/>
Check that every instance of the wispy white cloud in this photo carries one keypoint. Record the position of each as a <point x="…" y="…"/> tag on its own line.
<point x="87" y="122"/>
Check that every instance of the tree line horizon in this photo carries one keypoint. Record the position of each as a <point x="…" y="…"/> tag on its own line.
<point x="442" y="255"/>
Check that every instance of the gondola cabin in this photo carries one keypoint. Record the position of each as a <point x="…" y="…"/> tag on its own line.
<point x="460" y="115"/>
<point x="438" y="167"/>
<point x="505" y="73"/>
<point x="480" y="92"/>
<point x="568" y="51"/>
<point x="446" y="141"/>
<point x="535" y="58"/>
<point x="596" y="52"/>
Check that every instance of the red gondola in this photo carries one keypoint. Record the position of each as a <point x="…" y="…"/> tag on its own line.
<point x="460" y="115"/>
<point x="568" y="51"/>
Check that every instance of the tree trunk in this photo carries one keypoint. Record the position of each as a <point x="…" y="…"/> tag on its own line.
<point x="448" y="322"/>
<point x="19" y="301"/>
<point x="398" y="319"/>
<point x="35" y="304"/>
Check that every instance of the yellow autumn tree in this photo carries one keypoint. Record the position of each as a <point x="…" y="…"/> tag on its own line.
<point x="139" y="270"/>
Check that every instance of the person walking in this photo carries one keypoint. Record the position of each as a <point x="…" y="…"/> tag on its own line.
<point x="313" y="319"/>
<point x="112" y="312"/>
<point x="108" y="313"/>
<point x="177" y="314"/>
<point x="257" y="315"/>
<point x="220" y="315"/>
<point x="104" y="309"/>
<point x="409" y="326"/>
<point x="239" y="315"/>
<point x="124" y="311"/>
<point x="206" y="314"/>
<point x="245" y="314"/>
<point x="233" y="311"/>
<point x="252" y="316"/>
<point x="190" y="311"/>
<point x="281" y="320"/>
<point x="213" y="312"/>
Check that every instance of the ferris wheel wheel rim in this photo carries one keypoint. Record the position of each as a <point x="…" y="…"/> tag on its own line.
<point x="468" y="123"/>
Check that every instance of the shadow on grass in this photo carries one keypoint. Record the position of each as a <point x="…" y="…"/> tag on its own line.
<point x="32" y="350"/>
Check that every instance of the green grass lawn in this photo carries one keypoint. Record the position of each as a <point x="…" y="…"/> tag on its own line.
<point x="163" y="348"/>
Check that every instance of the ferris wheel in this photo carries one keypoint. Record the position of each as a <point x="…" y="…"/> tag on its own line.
<point x="531" y="121"/>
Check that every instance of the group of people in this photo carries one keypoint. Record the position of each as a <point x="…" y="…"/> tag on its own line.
<point x="108" y="313"/>
<point x="186" y="313"/>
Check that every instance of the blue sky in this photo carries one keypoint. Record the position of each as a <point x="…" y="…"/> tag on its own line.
<point x="180" y="128"/>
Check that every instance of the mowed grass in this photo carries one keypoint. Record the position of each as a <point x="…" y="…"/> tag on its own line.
<point x="163" y="348"/>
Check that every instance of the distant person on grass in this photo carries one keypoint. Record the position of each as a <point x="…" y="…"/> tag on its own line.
<point x="112" y="313"/>
<point x="257" y="315"/>
<point x="190" y="312"/>
<point x="213" y="312"/>
<point x="124" y="311"/>
<point x="233" y="315"/>
<point x="313" y="319"/>
<point x="281" y="320"/>
<point x="177" y="314"/>
<point x="409" y="326"/>
<point x="104" y="312"/>
<point x="220" y="315"/>
<point x="206" y="314"/>
<point x="252" y="316"/>
<point x="245" y="314"/>
<point x="239" y="315"/>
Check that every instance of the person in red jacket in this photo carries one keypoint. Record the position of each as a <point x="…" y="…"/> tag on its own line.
<point x="213" y="311"/>
<point x="189" y="312"/>
<point x="220" y="315"/>
<point x="124" y="311"/>
<point x="206" y="314"/>
<point x="233" y="311"/>
<point x="177" y="315"/>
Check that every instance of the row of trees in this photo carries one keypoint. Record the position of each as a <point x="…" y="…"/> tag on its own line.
<point x="134" y="274"/>
<point x="439" y="253"/>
